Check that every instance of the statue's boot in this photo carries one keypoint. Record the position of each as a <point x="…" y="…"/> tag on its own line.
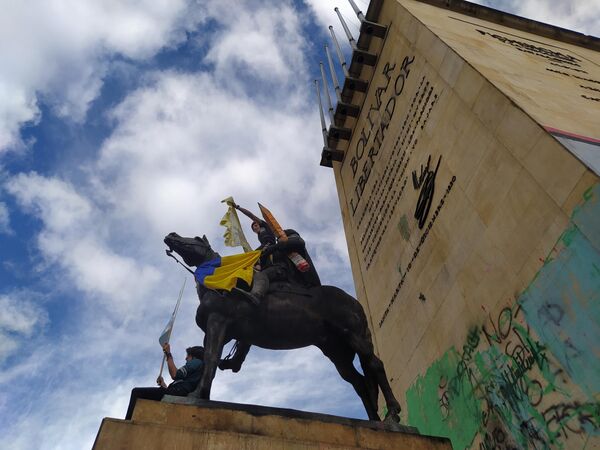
<point x="260" y="286"/>
<point x="249" y="296"/>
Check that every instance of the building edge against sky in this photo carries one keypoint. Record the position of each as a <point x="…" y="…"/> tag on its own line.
<point x="470" y="196"/>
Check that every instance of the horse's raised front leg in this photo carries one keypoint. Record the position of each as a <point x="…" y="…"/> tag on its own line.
<point x="214" y="340"/>
<point x="235" y="362"/>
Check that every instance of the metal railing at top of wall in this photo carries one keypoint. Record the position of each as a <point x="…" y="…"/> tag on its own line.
<point x="352" y="83"/>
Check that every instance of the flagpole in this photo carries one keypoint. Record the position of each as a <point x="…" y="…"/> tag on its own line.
<point x="174" y="315"/>
<point x="178" y="301"/>
<point x="162" y="365"/>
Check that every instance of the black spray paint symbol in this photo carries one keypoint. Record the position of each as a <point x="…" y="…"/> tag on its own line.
<point x="425" y="182"/>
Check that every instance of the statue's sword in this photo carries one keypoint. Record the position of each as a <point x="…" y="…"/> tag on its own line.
<point x="300" y="263"/>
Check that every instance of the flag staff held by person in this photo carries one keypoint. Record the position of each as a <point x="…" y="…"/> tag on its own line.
<point x="185" y="378"/>
<point x="165" y="336"/>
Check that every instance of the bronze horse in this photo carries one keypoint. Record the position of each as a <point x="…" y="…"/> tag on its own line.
<point x="287" y="318"/>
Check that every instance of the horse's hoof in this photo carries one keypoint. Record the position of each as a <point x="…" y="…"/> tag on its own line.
<point x="392" y="418"/>
<point x="392" y="422"/>
<point x="227" y="365"/>
<point x="393" y="415"/>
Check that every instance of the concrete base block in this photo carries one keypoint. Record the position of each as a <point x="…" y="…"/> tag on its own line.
<point x="187" y="423"/>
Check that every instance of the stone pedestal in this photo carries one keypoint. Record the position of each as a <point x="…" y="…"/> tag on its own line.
<point x="182" y="423"/>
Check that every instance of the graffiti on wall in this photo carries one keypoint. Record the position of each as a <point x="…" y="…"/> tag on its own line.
<point x="529" y="376"/>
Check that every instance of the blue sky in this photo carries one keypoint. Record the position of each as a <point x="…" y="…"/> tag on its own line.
<point x="121" y="122"/>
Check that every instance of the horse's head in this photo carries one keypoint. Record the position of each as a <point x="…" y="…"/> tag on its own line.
<point x="194" y="251"/>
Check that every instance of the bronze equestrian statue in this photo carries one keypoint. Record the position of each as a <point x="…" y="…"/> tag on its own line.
<point x="289" y="317"/>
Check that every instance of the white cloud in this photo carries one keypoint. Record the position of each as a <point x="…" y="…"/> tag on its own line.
<point x="75" y="237"/>
<point x="582" y="16"/>
<point x="27" y="367"/>
<point x="5" y="219"/>
<point x="302" y="377"/>
<point x="54" y="200"/>
<point x="272" y="45"/>
<point x="62" y="419"/>
<point x="19" y="106"/>
<point x="61" y="51"/>
<point x="19" y="319"/>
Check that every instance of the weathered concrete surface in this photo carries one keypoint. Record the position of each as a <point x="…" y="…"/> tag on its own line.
<point x="195" y="424"/>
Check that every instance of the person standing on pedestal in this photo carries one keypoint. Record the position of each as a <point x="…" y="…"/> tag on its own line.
<point x="185" y="378"/>
<point x="265" y="236"/>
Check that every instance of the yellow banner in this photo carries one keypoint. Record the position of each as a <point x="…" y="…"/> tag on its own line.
<point x="234" y="235"/>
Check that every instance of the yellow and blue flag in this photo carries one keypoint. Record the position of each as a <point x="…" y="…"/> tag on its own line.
<point x="224" y="272"/>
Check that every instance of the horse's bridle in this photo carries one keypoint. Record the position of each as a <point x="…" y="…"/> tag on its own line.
<point x="170" y="253"/>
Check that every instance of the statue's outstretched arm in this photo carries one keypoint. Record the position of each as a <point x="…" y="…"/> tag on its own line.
<point x="293" y="244"/>
<point x="247" y="213"/>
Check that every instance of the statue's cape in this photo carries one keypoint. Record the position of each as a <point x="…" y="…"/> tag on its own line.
<point x="224" y="272"/>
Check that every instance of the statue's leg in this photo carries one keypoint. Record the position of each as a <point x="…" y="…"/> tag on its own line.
<point x="371" y="383"/>
<point x="238" y="358"/>
<point x="342" y="356"/>
<point x="373" y="367"/>
<point x="214" y="340"/>
<point x="260" y="285"/>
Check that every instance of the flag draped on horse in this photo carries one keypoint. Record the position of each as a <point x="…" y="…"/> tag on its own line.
<point x="225" y="271"/>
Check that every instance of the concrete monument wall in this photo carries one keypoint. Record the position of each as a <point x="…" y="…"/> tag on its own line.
<point x="471" y="204"/>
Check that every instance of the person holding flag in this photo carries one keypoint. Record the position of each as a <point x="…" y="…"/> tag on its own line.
<point x="279" y="248"/>
<point x="185" y="378"/>
<point x="234" y="236"/>
<point x="265" y="236"/>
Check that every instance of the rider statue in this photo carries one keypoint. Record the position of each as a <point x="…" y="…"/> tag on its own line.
<point x="274" y="262"/>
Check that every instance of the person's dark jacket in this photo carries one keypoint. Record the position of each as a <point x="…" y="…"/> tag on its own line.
<point x="294" y="243"/>
<point x="187" y="377"/>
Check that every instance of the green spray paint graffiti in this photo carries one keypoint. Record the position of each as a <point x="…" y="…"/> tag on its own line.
<point x="503" y="386"/>
<point x="528" y="377"/>
<point x="433" y="411"/>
